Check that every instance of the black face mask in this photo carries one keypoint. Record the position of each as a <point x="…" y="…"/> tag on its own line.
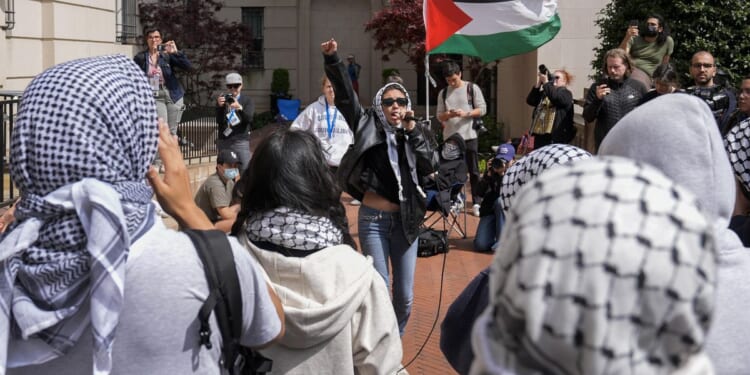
<point x="651" y="31"/>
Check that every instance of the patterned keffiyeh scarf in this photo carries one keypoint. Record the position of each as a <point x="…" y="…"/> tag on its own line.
<point x="534" y="163"/>
<point x="85" y="136"/>
<point x="292" y="229"/>
<point x="737" y="143"/>
<point x="607" y="267"/>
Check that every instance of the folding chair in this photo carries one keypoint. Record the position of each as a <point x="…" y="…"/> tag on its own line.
<point x="447" y="206"/>
<point x="288" y="108"/>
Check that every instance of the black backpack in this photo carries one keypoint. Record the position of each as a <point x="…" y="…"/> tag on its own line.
<point x="225" y="300"/>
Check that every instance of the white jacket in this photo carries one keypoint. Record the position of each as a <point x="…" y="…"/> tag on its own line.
<point x="313" y="119"/>
<point x="339" y="316"/>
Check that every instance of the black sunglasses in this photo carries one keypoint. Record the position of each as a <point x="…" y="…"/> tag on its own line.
<point x="234" y="86"/>
<point x="389" y="101"/>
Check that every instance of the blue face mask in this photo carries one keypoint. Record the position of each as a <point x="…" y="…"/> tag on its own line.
<point x="231" y="173"/>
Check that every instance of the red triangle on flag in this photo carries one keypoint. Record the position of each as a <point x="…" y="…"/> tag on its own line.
<point x="442" y="19"/>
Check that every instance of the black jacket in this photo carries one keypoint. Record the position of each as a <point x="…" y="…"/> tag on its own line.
<point x="245" y="115"/>
<point x="561" y="98"/>
<point x="369" y="132"/>
<point x="623" y="98"/>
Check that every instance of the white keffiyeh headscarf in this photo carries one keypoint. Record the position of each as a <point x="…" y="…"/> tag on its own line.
<point x="608" y="267"/>
<point x="85" y="136"/>
<point x="533" y="164"/>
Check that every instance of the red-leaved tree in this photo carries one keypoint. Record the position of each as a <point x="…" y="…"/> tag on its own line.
<point x="213" y="46"/>
<point x="399" y="27"/>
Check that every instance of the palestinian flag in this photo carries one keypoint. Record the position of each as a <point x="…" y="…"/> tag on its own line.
<point x="489" y="29"/>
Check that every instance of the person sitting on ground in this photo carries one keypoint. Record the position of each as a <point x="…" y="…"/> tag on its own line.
<point x="214" y="196"/>
<point x="553" y="108"/>
<point x="451" y="172"/>
<point x="666" y="81"/>
<point x="691" y="152"/>
<point x="608" y="267"/>
<point x="456" y="327"/>
<point x="491" y="216"/>
<point x="92" y="281"/>
<point x="338" y="313"/>
<point x="324" y="120"/>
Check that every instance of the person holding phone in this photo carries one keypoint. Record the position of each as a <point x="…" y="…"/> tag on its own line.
<point x="612" y="96"/>
<point x="158" y="62"/>
<point x="648" y="48"/>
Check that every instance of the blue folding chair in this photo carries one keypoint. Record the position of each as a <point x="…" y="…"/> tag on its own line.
<point x="288" y="108"/>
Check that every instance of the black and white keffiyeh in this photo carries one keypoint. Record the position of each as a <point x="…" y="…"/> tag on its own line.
<point x="737" y="143"/>
<point x="292" y="229"/>
<point x="85" y="136"/>
<point x="533" y="164"/>
<point x="607" y="267"/>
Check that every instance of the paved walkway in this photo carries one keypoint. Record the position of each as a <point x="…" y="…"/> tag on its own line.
<point x="461" y="265"/>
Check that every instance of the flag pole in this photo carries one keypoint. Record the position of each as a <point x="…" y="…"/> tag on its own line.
<point x="427" y="87"/>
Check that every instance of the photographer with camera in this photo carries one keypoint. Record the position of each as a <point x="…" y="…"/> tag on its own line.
<point x="553" y="113"/>
<point x="491" y="217"/>
<point x="720" y="99"/>
<point x="460" y="108"/>
<point x="234" y="115"/>
<point x="158" y="62"/>
<point x="612" y="96"/>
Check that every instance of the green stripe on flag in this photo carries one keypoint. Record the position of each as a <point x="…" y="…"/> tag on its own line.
<point x="497" y="46"/>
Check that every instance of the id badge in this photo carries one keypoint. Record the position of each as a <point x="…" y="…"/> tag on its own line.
<point x="227" y="131"/>
<point x="232" y="119"/>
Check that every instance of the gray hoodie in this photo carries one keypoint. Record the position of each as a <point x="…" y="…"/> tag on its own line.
<point x="678" y="135"/>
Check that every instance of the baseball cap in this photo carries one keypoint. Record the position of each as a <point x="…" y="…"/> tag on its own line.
<point x="505" y="151"/>
<point x="234" y="79"/>
<point x="227" y="157"/>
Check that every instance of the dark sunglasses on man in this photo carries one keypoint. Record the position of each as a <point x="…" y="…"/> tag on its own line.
<point x="234" y="86"/>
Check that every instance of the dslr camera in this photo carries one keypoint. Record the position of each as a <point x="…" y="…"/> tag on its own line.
<point x="543" y="70"/>
<point x="228" y="99"/>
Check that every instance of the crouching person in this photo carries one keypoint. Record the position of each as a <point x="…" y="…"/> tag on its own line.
<point x="91" y="281"/>
<point x="338" y="313"/>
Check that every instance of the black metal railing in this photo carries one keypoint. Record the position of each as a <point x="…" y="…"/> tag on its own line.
<point x="198" y="131"/>
<point x="8" y="110"/>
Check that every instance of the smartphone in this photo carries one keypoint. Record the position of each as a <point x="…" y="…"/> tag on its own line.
<point x="633" y="23"/>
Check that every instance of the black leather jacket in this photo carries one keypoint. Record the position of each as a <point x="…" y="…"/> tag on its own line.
<point x="368" y="132"/>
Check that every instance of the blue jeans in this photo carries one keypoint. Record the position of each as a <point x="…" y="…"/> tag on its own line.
<point x="382" y="237"/>
<point x="489" y="229"/>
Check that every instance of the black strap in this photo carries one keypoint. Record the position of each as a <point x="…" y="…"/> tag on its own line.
<point x="225" y="300"/>
<point x="469" y="93"/>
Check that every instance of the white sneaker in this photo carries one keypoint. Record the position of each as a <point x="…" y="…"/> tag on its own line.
<point x="355" y="202"/>
<point x="475" y="210"/>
